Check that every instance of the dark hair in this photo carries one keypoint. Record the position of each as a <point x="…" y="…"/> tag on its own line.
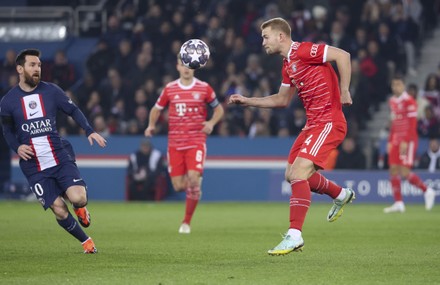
<point x="399" y="77"/>
<point x="21" y="57"/>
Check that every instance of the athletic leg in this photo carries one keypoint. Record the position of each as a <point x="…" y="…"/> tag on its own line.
<point x="398" y="205"/>
<point x="299" y="204"/>
<point x="69" y="224"/>
<point x="428" y="193"/>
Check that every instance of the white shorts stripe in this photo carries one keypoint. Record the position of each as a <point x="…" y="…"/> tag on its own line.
<point x="322" y="136"/>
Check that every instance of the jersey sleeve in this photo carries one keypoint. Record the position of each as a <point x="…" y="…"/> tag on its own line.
<point x="312" y="53"/>
<point x="286" y="79"/>
<point x="211" y="99"/>
<point x="63" y="102"/>
<point x="163" y="100"/>
<point x="7" y="124"/>
<point x="67" y="106"/>
<point x="412" y="120"/>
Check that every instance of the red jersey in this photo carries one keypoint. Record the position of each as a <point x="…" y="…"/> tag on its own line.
<point x="315" y="79"/>
<point x="187" y="111"/>
<point x="403" y="119"/>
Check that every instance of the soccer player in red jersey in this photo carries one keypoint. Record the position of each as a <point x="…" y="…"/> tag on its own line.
<point x="187" y="99"/>
<point x="402" y="146"/>
<point x="306" y="69"/>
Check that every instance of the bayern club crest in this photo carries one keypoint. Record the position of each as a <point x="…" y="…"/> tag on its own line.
<point x="196" y="96"/>
<point x="32" y="104"/>
<point x="294" y="67"/>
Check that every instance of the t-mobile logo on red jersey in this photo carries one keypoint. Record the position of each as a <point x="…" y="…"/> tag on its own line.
<point x="180" y="109"/>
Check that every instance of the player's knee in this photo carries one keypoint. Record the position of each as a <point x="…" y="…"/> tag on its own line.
<point x="60" y="210"/>
<point x="80" y="203"/>
<point x="194" y="193"/>
<point x="178" y="186"/>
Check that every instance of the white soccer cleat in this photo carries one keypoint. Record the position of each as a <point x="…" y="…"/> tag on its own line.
<point x="338" y="206"/>
<point x="398" y="206"/>
<point x="287" y="245"/>
<point x="429" y="198"/>
<point x="184" y="229"/>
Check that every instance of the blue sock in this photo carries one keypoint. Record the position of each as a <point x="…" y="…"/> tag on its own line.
<point x="72" y="227"/>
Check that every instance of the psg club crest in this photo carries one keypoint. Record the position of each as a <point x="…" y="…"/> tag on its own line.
<point x="32" y="104"/>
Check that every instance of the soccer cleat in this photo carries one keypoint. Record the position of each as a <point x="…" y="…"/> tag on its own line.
<point x="83" y="216"/>
<point x="89" y="246"/>
<point x="429" y="198"/>
<point x="287" y="245"/>
<point x="338" y="205"/>
<point x="398" y="206"/>
<point x="184" y="229"/>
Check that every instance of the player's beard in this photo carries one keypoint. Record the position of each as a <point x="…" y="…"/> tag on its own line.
<point x="31" y="80"/>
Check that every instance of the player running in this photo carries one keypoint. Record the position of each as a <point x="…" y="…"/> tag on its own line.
<point x="187" y="98"/>
<point x="28" y="112"/>
<point x="402" y="146"/>
<point x="306" y="69"/>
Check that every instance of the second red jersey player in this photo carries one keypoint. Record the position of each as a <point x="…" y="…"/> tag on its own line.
<point x="187" y="99"/>
<point x="402" y="146"/>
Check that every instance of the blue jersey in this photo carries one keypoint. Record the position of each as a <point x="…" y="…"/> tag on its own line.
<point x="34" y="123"/>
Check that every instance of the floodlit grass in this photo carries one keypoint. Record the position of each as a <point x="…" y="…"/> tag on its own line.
<point x="138" y="243"/>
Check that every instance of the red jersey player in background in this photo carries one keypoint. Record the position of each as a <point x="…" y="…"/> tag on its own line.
<point x="187" y="98"/>
<point x="306" y="69"/>
<point x="402" y="146"/>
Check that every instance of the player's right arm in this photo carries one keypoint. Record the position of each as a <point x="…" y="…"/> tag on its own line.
<point x="154" y="116"/>
<point x="24" y="151"/>
<point x="280" y="99"/>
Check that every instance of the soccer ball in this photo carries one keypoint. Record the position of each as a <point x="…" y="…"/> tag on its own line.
<point x="194" y="53"/>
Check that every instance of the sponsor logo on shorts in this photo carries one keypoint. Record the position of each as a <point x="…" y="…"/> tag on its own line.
<point x="76" y="180"/>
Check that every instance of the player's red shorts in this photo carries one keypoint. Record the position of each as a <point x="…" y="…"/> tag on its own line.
<point x="180" y="160"/>
<point x="316" y="143"/>
<point x="407" y="159"/>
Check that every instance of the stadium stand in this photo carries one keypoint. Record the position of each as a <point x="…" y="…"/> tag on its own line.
<point x="123" y="53"/>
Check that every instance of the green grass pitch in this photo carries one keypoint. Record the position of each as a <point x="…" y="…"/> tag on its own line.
<point x="138" y="243"/>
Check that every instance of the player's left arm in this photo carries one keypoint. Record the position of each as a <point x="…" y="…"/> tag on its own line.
<point x="343" y="62"/>
<point x="67" y="106"/>
<point x="217" y="115"/>
<point x="411" y="113"/>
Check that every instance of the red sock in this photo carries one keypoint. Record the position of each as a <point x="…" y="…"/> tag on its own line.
<point x="192" y="198"/>
<point x="299" y="203"/>
<point x="415" y="180"/>
<point x="321" y="185"/>
<point x="395" y="185"/>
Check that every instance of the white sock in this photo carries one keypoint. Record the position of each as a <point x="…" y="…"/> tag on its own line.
<point x="341" y="195"/>
<point x="294" y="233"/>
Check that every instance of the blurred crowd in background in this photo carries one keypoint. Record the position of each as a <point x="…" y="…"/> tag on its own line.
<point x="136" y="57"/>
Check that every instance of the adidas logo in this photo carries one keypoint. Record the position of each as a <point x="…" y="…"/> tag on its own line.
<point x="304" y="150"/>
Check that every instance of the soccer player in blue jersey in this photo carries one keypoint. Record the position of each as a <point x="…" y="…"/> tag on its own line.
<point x="28" y="114"/>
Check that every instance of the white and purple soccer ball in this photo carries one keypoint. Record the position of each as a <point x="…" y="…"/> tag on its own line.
<point x="194" y="53"/>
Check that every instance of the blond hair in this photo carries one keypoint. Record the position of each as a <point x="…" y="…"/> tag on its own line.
<point x="277" y="24"/>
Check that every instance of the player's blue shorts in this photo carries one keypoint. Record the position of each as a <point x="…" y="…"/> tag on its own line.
<point x="51" y="183"/>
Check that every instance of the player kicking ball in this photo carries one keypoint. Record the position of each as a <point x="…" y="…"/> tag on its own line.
<point x="28" y="113"/>
<point x="306" y="69"/>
